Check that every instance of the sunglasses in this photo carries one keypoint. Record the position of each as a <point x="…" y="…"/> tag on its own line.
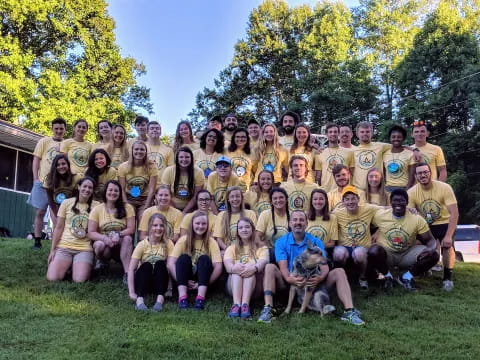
<point x="223" y="165"/>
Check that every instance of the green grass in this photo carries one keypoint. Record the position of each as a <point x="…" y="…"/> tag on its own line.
<point x="96" y="320"/>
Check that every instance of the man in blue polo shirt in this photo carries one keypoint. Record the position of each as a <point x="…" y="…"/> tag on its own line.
<point x="287" y="248"/>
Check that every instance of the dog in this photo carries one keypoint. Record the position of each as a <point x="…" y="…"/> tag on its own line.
<point x="307" y="265"/>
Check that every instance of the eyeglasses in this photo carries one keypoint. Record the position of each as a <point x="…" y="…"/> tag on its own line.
<point x="223" y="165"/>
<point x="204" y="199"/>
<point x="419" y="123"/>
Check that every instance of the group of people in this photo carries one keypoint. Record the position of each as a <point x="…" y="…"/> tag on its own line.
<point x="239" y="205"/>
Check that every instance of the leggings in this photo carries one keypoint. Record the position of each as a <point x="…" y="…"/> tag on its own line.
<point x="151" y="278"/>
<point x="184" y="270"/>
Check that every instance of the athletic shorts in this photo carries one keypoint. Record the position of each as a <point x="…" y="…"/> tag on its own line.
<point x="76" y="256"/>
<point x="404" y="259"/>
<point x="439" y="231"/>
<point x="351" y="248"/>
<point x="38" y="196"/>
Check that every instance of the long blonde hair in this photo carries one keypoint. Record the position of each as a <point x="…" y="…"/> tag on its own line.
<point x="261" y="146"/>
<point x="228" y="211"/>
<point x="239" y="244"/>
<point x="163" y="240"/>
<point x="147" y="164"/>
<point x="381" y="189"/>
<point x="190" y="243"/>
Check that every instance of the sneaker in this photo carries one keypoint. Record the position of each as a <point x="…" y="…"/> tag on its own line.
<point x="101" y="267"/>
<point x="157" y="307"/>
<point x="437" y="268"/>
<point x="363" y="284"/>
<point x="267" y="315"/>
<point x="245" y="312"/>
<point x="199" y="304"/>
<point x="407" y="284"/>
<point x="352" y="317"/>
<point x="141" y="307"/>
<point x="328" y="309"/>
<point x="447" y="285"/>
<point x="37" y="245"/>
<point x="125" y="279"/>
<point x="234" y="311"/>
<point x="183" y="304"/>
<point x="388" y="282"/>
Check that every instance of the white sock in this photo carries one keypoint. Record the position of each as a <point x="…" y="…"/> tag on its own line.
<point x="389" y="275"/>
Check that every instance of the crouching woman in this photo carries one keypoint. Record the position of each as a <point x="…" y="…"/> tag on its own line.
<point x="71" y="247"/>
<point x="195" y="262"/>
<point x="147" y="271"/>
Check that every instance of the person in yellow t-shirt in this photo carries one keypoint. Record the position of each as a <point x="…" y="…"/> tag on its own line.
<point x="354" y="222"/>
<point x="269" y="155"/>
<point x="376" y="193"/>
<point x="219" y="181"/>
<point x="331" y="156"/>
<point x="195" y="262"/>
<point x="321" y="223"/>
<point x="241" y="159"/>
<point x="138" y="177"/>
<point x="184" y="179"/>
<point x="398" y="231"/>
<point x="71" y="247"/>
<point x="45" y="151"/>
<point x="203" y="202"/>
<point x="215" y="122"/>
<point x="77" y="148"/>
<point x="346" y="134"/>
<point x="230" y="123"/>
<point x="425" y="152"/>
<point x="298" y="189"/>
<point x="436" y="202"/>
<point x="253" y="127"/>
<point x="301" y="147"/>
<point x="184" y="137"/>
<point x="99" y="170"/>
<point x="273" y="224"/>
<point x="104" y="136"/>
<point x="111" y="226"/>
<point x="211" y="148"/>
<point x="258" y="196"/>
<point x="244" y="262"/>
<point x="342" y="176"/>
<point x="225" y="231"/>
<point x="367" y="154"/>
<point x="158" y="153"/>
<point x="120" y="152"/>
<point x="288" y="121"/>
<point x="60" y="183"/>
<point x="163" y="199"/>
<point x="148" y="266"/>
<point x="398" y="161"/>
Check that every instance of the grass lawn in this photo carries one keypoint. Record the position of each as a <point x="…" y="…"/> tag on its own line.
<point x="42" y="320"/>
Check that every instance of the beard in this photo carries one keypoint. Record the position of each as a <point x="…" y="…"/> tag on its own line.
<point x="288" y="130"/>
<point x="231" y="127"/>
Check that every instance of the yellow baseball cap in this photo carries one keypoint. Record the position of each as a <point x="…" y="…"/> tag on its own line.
<point x="349" y="189"/>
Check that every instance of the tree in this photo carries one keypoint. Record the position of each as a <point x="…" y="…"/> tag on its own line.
<point x="59" y="58"/>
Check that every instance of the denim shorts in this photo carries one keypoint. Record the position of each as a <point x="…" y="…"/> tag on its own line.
<point x="38" y="196"/>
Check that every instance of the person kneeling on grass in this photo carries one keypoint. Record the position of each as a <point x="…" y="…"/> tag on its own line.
<point x="70" y="244"/>
<point x="148" y="266"/>
<point x="195" y="262"/>
<point x="287" y="248"/>
<point x="244" y="261"/>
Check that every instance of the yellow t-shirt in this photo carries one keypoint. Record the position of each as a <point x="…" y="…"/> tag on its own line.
<point x="148" y="252"/>
<point x="335" y="198"/>
<point x="354" y="229"/>
<point x="265" y="226"/>
<point x="218" y="188"/>
<point x="187" y="221"/>
<point x="327" y="159"/>
<point x="117" y="157"/>
<point x="375" y="199"/>
<point x="181" y="198"/>
<point x="299" y="194"/>
<point x="326" y="231"/>
<point x="220" y="232"/>
<point x="100" y="145"/>
<point x="433" y="156"/>
<point x="367" y="156"/>
<point x="244" y="257"/>
<point x="286" y="141"/>
<point x="64" y="191"/>
<point x="162" y="156"/>
<point x="205" y="162"/>
<point x="309" y="156"/>
<point x="212" y="250"/>
<point x="173" y="216"/>
<point x="111" y="174"/>
<point x="269" y="161"/>
<point x="137" y="180"/>
<point x="78" y="153"/>
<point x="256" y="202"/>
<point x="396" y="167"/>
<point x="398" y="235"/>
<point x="432" y="204"/>
<point x="108" y="222"/>
<point x="75" y="225"/>
<point x="242" y="167"/>
<point x="46" y="150"/>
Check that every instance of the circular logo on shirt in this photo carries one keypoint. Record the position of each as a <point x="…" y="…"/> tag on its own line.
<point x="244" y="259"/>
<point x="297" y="200"/>
<point x="356" y="230"/>
<point x="79" y="156"/>
<point x="397" y="238"/>
<point x="367" y="159"/>
<point x="60" y="197"/>
<point x="269" y="162"/>
<point x="240" y="166"/>
<point x="138" y="182"/>
<point x="114" y="225"/>
<point x="395" y="168"/>
<point x="262" y="206"/>
<point x="318" y="231"/>
<point x="78" y="225"/>
<point x="157" y="158"/>
<point x="219" y="196"/>
<point x="334" y="159"/>
<point x="51" y="153"/>
<point x="430" y="209"/>
<point x="206" y="164"/>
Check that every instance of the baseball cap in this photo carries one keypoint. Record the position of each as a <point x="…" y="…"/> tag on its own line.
<point x="223" y="159"/>
<point x="349" y="189"/>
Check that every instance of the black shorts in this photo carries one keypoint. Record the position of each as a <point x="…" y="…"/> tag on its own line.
<point x="439" y="231"/>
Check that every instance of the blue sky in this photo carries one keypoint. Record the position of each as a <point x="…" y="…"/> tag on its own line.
<point x="184" y="45"/>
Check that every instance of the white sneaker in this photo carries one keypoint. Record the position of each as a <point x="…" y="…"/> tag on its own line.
<point x="437" y="268"/>
<point x="447" y="285"/>
<point x="363" y="284"/>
